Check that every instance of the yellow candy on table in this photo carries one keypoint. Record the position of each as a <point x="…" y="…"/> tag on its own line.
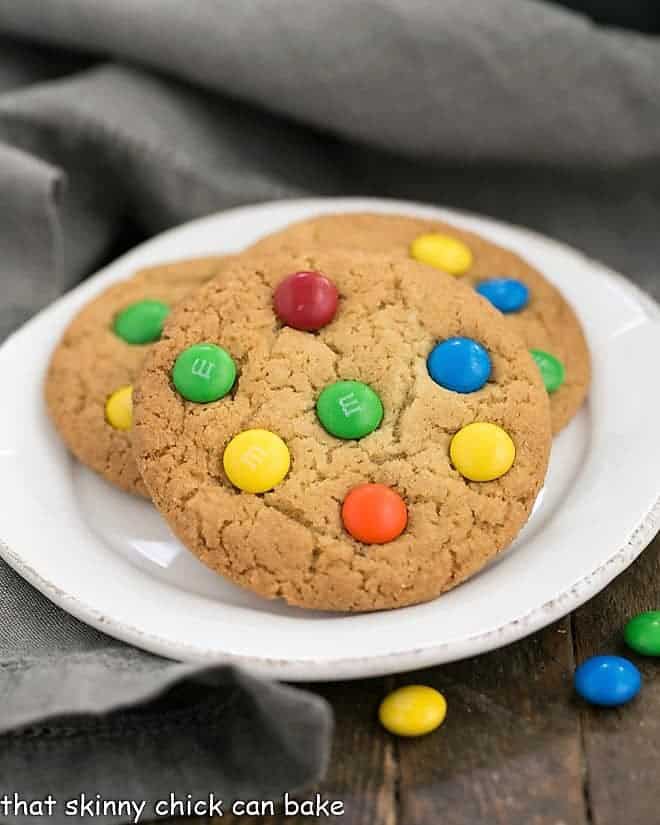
<point x="442" y="252"/>
<point x="413" y="710"/>
<point x="119" y="408"/>
<point x="256" y="460"/>
<point x="482" y="451"/>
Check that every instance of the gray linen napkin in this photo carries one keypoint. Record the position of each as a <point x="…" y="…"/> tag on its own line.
<point x="514" y="108"/>
<point x="82" y="713"/>
<point x="145" y="114"/>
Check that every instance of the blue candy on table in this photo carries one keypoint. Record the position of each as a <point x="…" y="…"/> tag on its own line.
<point x="607" y="680"/>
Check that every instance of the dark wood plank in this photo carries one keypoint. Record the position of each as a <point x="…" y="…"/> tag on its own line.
<point x="362" y="771"/>
<point x="509" y="751"/>
<point x="622" y="745"/>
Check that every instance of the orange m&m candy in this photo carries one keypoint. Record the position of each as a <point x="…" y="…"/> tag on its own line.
<point x="374" y="513"/>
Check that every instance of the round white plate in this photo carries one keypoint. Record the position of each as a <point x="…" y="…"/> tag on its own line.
<point x="109" y="559"/>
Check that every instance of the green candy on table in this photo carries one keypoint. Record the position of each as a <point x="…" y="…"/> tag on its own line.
<point x="642" y="633"/>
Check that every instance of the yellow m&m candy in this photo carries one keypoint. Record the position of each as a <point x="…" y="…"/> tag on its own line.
<point x="482" y="452"/>
<point x="119" y="408"/>
<point x="442" y="252"/>
<point x="413" y="710"/>
<point x="256" y="460"/>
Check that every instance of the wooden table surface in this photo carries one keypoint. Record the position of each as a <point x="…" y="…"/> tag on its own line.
<point x="517" y="747"/>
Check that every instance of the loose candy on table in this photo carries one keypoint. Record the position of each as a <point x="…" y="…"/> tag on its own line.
<point x="414" y="710"/>
<point x="141" y="322"/>
<point x="349" y="409"/>
<point x="442" y="252"/>
<point x="642" y="633"/>
<point x="306" y="301"/>
<point x="374" y="514"/>
<point x="482" y="451"/>
<point x="506" y="294"/>
<point x="204" y="373"/>
<point x="552" y="370"/>
<point x="119" y="408"/>
<point x="607" y="680"/>
<point x="256" y="460"/>
<point x="459" y="364"/>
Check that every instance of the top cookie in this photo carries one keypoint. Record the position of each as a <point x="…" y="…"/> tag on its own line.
<point x="533" y="307"/>
<point x="99" y="357"/>
<point x="344" y="431"/>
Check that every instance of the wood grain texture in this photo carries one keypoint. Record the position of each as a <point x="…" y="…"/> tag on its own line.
<point x="509" y="751"/>
<point x="517" y="747"/>
<point x="622" y="746"/>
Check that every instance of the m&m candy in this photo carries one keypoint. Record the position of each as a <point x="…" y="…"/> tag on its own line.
<point x="642" y="633"/>
<point x="414" y="710"/>
<point x="442" y="252"/>
<point x="459" y="364"/>
<point x="551" y="368"/>
<point x="482" y="451"/>
<point x="374" y="514"/>
<point x="607" y="680"/>
<point x="141" y="322"/>
<point x="119" y="408"/>
<point x="506" y="294"/>
<point x="256" y="460"/>
<point x="204" y="373"/>
<point x="306" y="301"/>
<point x="349" y="409"/>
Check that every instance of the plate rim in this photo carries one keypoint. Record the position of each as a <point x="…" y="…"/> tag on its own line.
<point x="396" y="661"/>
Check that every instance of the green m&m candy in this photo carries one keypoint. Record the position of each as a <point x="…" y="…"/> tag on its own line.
<point x="141" y="322"/>
<point x="349" y="409"/>
<point x="642" y="633"/>
<point x="552" y="369"/>
<point x="203" y="373"/>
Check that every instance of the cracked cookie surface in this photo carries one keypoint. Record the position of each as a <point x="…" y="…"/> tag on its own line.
<point x="547" y="323"/>
<point x="91" y="362"/>
<point x="290" y="542"/>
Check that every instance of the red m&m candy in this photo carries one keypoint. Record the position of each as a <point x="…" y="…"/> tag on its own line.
<point x="306" y="300"/>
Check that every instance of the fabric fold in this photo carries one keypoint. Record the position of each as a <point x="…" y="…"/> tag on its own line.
<point x="119" y="145"/>
<point x="29" y="190"/>
<point x="83" y="713"/>
<point x="456" y="80"/>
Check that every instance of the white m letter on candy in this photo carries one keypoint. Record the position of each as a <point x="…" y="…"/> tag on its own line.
<point x="254" y="456"/>
<point x="202" y="368"/>
<point x="349" y="404"/>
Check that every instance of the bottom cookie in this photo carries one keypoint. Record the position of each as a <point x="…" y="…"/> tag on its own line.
<point x="88" y="387"/>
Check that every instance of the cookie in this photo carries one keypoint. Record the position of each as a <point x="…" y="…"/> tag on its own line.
<point x="341" y="430"/>
<point x="89" y="379"/>
<point x="532" y="306"/>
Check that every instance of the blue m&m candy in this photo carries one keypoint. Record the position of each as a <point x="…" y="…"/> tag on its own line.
<point x="505" y="294"/>
<point x="607" y="680"/>
<point x="459" y="364"/>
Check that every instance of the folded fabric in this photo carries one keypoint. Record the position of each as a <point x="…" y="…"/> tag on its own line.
<point x="85" y="714"/>
<point x="456" y="79"/>
<point x="518" y="109"/>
